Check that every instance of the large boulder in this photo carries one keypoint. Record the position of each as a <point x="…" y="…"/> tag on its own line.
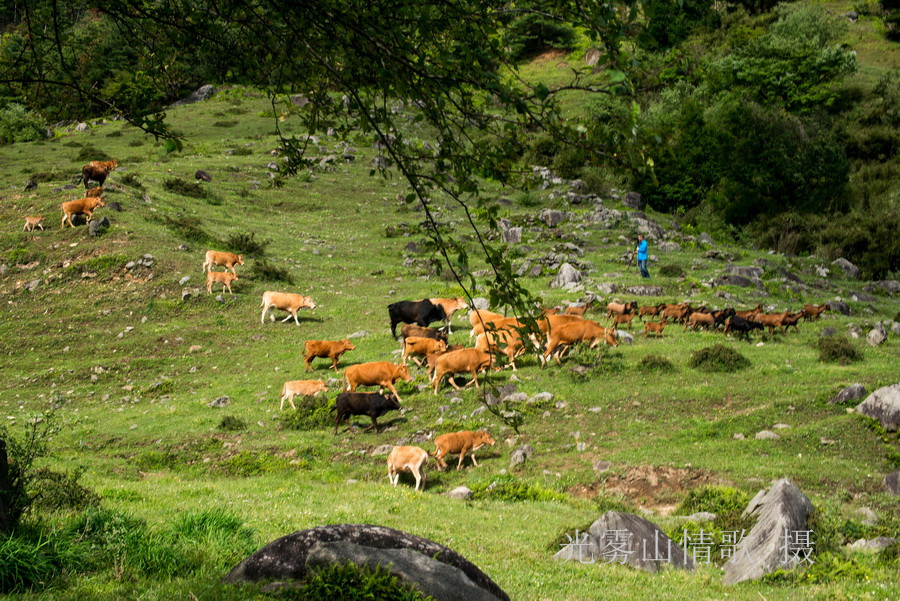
<point x="883" y="405"/>
<point x="512" y="235"/>
<point x="286" y="558"/>
<point x="892" y="287"/>
<point x="667" y="246"/>
<point x="201" y="93"/>
<point x="633" y="200"/>
<point x="98" y="226"/>
<point x="629" y="539"/>
<point x="551" y="217"/>
<point x="567" y="275"/>
<point x="731" y="279"/>
<point x="784" y="508"/>
<point x="853" y="392"/>
<point x="876" y="336"/>
<point x="892" y="483"/>
<point x="839" y="306"/>
<point x="747" y="271"/>
<point x="645" y="290"/>
<point x="851" y="271"/>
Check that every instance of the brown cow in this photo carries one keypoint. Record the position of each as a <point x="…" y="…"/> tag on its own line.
<point x="707" y="320"/>
<point x="580" y="311"/>
<point x="551" y="322"/>
<point x="376" y="373"/>
<point x="407" y="459"/>
<point x="91" y="173"/>
<point x="559" y="339"/>
<point x="411" y="329"/>
<point x="791" y="320"/>
<point x="651" y="310"/>
<point x="450" y="306"/>
<point x="330" y="349"/>
<point x="511" y="340"/>
<point x="467" y="360"/>
<point x="421" y="347"/>
<point x="300" y="388"/>
<point x="677" y="313"/>
<point x="814" y="311"/>
<point x="749" y="313"/>
<point x="229" y="260"/>
<point x="284" y="301"/>
<point x="620" y="308"/>
<point x="222" y="277"/>
<point x="656" y="327"/>
<point x="94" y="192"/>
<point x="771" y="320"/>
<point x="623" y="318"/>
<point x="108" y="165"/>
<point x="82" y="205"/>
<point x="480" y="317"/>
<point x="33" y="222"/>
<point x="505" y="323"/>
<point x="462" y="442"/>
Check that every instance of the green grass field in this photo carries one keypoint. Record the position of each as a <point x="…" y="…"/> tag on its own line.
<point x="131" y="368"/>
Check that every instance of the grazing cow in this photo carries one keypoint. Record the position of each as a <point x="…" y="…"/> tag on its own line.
<point x="620" y="308"/>
<point x="511" y="340"/>
<point x="656" y="327"/>
<point x="82" y="205"/>
<point x="421" y="313"/>
<point x="742" y="326"/>
<point x="94" y="192"/>
<point x="580" y="311"/>
<point x="407" y="459"/>
<point x="229" y="260"/>
<point x="431" y="358"/>
<point x="372" y="404"/>
<point x="300" y="388"/>
<point x="650" y="310"/>
<point x="677" y="313"/>
<point x="749" y="313"/>
<point x="462" y="442"/>
<point x="377" y="373"/>
<point x="623" y="318"/>
<point x="771" y="320"/>
<point x="108" y="165"/>
<point x="222" y="277"/>
<point x="791" y="320"/>
<point x="330" y="349"/>
<point x="467" y="360"/>
<point x="421" y="347"/>
<point x="33" y="222"/>
<point x="284" y="301"/>
<point x="695" y="319"/>
<point x="814" y="311"/>
<point x="561" y="338"/>
<point x="450" y="306"/>
<point x="411" y="329"/>
<point x="481" y="317"/>
<point x="90" y="173"/>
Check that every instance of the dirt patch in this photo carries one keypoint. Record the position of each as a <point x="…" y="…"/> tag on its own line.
<point x="550" y="55"/>
<point x="649" y="486"/>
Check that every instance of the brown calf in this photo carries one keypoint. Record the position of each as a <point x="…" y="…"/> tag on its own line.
<point x="330" y="349"/>
<point x="421" y="347"/>
<point x="467" y="360"/>
<point x="33" y="222"/>
<point x="560" y="338"/>
<point x="623" y="318"/>
<point x="229" y="260"/>
<point x="300" y="388"/>
<point x="222" y="277"/>
<point x="814" y="311"/>
<point x="450" y="306"/>
<point x="620" y="308"/>
<point x="376" y="373"/>
<point x="655" y="327"/>
<point x="82" y="205"/>
<point x="462" y="442"/>
<point x="284" y="301"/>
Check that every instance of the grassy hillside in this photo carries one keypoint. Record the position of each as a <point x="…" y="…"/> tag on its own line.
<point x="131" y="368"/>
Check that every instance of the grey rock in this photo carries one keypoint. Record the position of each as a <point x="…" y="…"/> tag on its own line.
<point x="840" y="306"/>
<point x="463" y="493"/>
<point x="876" y="337"/>
<point x="481" y="303"/>
<point x="184" y="280"/>
<point x="701" y="516"/>
<point x="513" y="235"/>
<point x="625" y="337"/>
<point x="872" y="545"/>
<point x="895" y="328"/>
<point x="115" y="206"/>
<point x="220" y="299"/>
<point x="98" y="226"/>
<point x="602" y="466"/>
<point x="853" y="392"/>
<point x="822" y="272"/>
<point x="202" y="93"/>
<point x="380" y="162"/>
<point x="359" y="334"/>
<point x="783" y="508"/>
<point x="551" y="217"/>
<point x="706" y="239"/>
<point x="567" y="275"/>
<point x="862" y="297"/>
<point x="892" y="287"/>
<point x="202" y="175"/>
<point x="869" y="517"/>
<point x="850" y="270"/>
<point x="645" y="290"/>
<point x="434" y="578"/>
<point x="286" y="558"/>
<point x="650" y="229"/>
<point x="222" y="401"/>
<point x="766" y="435"/>
<point x="4" y="269"/>
<point x="382" y="450"/>
<point x="883" y="405"/>
<point x="667" y="246"/>
<point x="748" y="271"/>
<point x="734" y="280"/>
<point x="30" y="185"/>
<point x="640" y="534"/>
<point x="607" y="288"/>
<point x="516" y="397"/>
<point x="32" y="285"/>
<point x="892" y="483"/>
<point x="536" y="270"/>
<point x="541" y="397"/>
<point x="299" y="100"/>
<point x="520" y="455"/>
<point x="829" y="331"/>
<point x="81" y="127"/>
<point x="633" y="200"/>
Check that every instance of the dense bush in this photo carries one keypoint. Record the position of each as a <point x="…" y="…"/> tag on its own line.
<point x="313" y="413"/>
<point x="669" y="22"/>
<point x="231" y="423"/>
<point x="718" y="358"/>
<point x="240" y="242"/>
<point x="533" y="33"/>
<point x="189" y="189"/>
<point x="652" y="363"/>
<point x="838" y="349"/>
<point x="263" y="269"/>
<point x="671" y="271"/>
<point x="510" y="488"/>
<point x="61" y="491"/>
<point x="90" y="153"/>
<point x="17" y="124"/>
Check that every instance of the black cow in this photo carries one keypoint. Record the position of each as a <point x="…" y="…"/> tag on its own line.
<point x="722" y="316"/>
<point x="363" y="403"/>
<point x="742" y="326"/>
<point x="421" y="313"/>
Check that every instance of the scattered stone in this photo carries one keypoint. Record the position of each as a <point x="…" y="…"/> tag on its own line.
<point x="98" y="226"/>
<point x="567" y="275"/>
<point x="850" y="270"/>
<point x="780" y="427"/>
<point x="541" y="397"/>
<point x="854" y="392"/>
<point x="201" y="93"/>
<point x="481" y="303"/>
<point x="520" y="455"/>
<point x="633" y="200"/>
<point x="829" y="331"/>
<point x="840" y="306"/>
<point x="883" y="405"/>
<point x="602" y="466"/>
<point x="184" y="280"/>
<point x="892" y="483"/>
<point x="607" y="288"/>
<point x="32" y="285"/>
<point x="286" y="558"/>
<point x="359" y="334"/>
<point x="463" y="493"/>
<point x="869" y="517"/>
<point x="384" y="449"/>
<point x="766" y="435"/>
<point x="194" y="348"/>
<point x="625" y="337"/>
<point x="30" y="185"/>
<point x="536" y="270"/>
<point x="872" y="545"/>
<point x="645" y="290"/>
<point x="876" y="336"/>
<point x="513" y="235"/>
<point x="783" y="508"/>
<point x="667" y="246"/>
<point x="747" y="271"/>
<point x="551" y="217"/>
<point x="706" y="239"/>
<point x="738" y="436"/>
<point x="220" y="298"/>
<point x="222" y="401"/>
<point x="81" y="127"/>
<point x="644" y="535"/>
<point x="892" y="287"/>
<point x="202" y="176"/>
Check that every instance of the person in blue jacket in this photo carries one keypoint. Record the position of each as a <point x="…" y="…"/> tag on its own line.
<point x="642" y="256"/>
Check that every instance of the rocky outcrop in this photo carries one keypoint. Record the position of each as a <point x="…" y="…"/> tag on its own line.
<point x="883" y="405"/>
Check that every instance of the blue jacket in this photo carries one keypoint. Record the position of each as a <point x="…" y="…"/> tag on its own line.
<point x="642" y="251"/>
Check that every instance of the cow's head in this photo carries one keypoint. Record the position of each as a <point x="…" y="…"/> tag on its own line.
<point x="403" y="373"/>
<point x="347" y="345"/>
<point x="308" y="302"/>
<point x="484" y="437"/>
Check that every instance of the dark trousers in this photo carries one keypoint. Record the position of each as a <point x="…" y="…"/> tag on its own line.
<point x="643" y="266"/>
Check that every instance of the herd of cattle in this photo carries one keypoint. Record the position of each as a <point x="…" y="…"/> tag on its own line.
<point x="497" y="337"/>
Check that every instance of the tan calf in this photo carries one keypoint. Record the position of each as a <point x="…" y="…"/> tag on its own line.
<point x="579" y="311"/>
<point x="331" y="349"/>
<point x="229" y="260"/>
<point x="651" y="310"/>
<point x="467" y="360"/>
<point x="376" y="373"/>
<point x="450" y="306"/>
<point x="33" y="222"/>
<point x="655" y="327"/>
<point x="407" y="459"/>
<point x="505" y="323"/>
<point x="222" y="277"/>
<point x="94" y="192"/>
<point x="559" y="339"/>
<point x="107" y="165"/>
<point x="462" y="442"/>
<point x="300" y="388"/>
<point x="480" y="317"/>
<point x="82" y="205"/>
<point x="284" y="301"/>
<point x="421" y="347"/>
<point x="750" y="313"/>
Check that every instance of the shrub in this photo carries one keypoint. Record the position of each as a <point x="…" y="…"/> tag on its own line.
<point x="191" y="190"/>
<point x="533" y="33"/>
<point x="132" y="180"/>
<point x="542" y="150"/>
<point x="114" y="134"/>
<point x="726" y="502"/>
<point x="17" y="124"/>
<point x="231" y="423"/>
<point x="225" y="123"/>
<point x="18" y="455"/>
<point x="242" y="151"/>
<point x="671" y="271"/>
<point x="652" y="363"/>
<point x="60" y="490"/>
<point x="246" y="243"/>
<point x="49" y="176"/>
<point x="510" y="488"/>
<point x="90" y="153"/>
<point x="313" y="413"/>
<point x="718" y="358"/>
<point x="266" y="270"/>
<point x="136" y="143"/>
<point x="838" y="349"/>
